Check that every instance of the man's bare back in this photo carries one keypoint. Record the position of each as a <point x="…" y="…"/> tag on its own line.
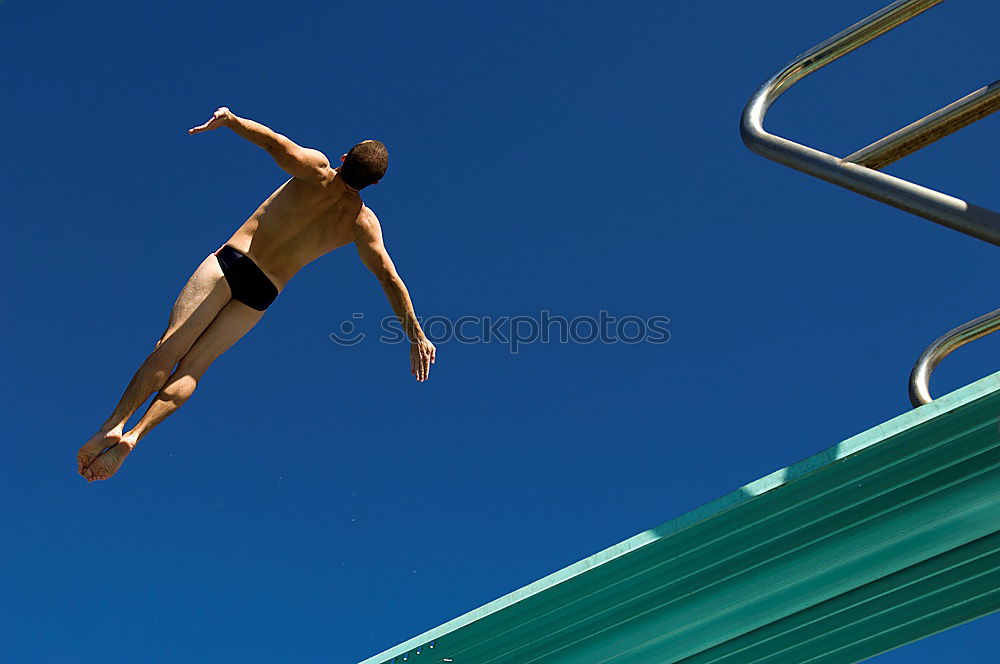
<point x="297" y="224"/>
<point x="317" y="210"/>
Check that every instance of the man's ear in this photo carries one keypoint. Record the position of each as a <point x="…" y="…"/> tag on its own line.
<point x="343" y="157"/>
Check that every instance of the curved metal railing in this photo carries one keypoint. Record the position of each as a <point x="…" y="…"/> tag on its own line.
<point x="920" y="377"/>
<point x="858" y="173"/>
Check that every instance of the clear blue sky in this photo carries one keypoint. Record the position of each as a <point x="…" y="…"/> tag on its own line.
<point x="312" y="503"/>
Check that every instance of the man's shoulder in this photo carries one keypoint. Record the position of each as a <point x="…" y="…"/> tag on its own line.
<point x="366" y="217"/>
<point x="366" y="224"/>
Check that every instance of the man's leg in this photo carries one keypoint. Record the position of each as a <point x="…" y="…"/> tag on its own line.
<point x="235" y="320"/>
<point x="204" y="295"/>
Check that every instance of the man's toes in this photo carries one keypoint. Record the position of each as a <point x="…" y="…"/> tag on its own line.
<point x="97" y="470"/>
<point x="92" y="471"/>
<point x="106" y="465"/>
<point x="84" y="460"/>
<point x="92" y="449"/>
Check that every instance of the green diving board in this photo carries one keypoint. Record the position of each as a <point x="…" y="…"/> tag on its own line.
<point x="883" y="539"/>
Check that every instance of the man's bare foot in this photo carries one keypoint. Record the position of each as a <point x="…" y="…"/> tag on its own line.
<point x="106" y="464"/>
<point x="92" y="449"/>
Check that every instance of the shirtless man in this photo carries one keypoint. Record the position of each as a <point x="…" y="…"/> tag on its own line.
<point x="314" y="212"/>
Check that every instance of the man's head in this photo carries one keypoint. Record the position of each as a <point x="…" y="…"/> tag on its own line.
<point x="364" y="164"/>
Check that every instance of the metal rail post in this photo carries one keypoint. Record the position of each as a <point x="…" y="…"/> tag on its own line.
<point x="859" y="172"/>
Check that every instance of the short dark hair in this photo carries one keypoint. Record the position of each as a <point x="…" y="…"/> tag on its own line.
<point x="365" y="164"/>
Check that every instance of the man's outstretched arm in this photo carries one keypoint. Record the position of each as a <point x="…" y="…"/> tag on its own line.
<point x="302" y="163"/>
<point x="371" y="249"/>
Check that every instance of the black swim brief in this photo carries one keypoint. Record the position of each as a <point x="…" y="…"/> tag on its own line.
<point x="247" y="282"/>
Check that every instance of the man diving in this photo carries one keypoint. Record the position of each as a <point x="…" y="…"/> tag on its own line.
<point x="317" y="210"/>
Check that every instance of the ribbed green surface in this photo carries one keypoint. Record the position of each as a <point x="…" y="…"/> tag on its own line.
<point x="888" y="537"/>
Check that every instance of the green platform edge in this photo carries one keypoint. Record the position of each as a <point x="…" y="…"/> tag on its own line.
<point x="887" y="537"/>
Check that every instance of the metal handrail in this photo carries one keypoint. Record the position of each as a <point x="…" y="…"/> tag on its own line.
<point x="863" y="178"/>
<point x="923" y="132"/>
<point x="920" y="376"/>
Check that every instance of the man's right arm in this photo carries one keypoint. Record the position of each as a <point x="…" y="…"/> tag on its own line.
<point x="302" y="163"/>
<point x="371" y="249"/>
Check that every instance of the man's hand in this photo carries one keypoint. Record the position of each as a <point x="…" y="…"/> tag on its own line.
<point x="220" y="118"/>
<point x="422" y="355"/>
<point x="299" y="162"/>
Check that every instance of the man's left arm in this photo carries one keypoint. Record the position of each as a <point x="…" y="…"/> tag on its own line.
<point x="371" y="249"/>
<point x="303" y="163"/>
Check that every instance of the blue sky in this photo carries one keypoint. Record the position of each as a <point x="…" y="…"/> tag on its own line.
<point x="312" y="503"/>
